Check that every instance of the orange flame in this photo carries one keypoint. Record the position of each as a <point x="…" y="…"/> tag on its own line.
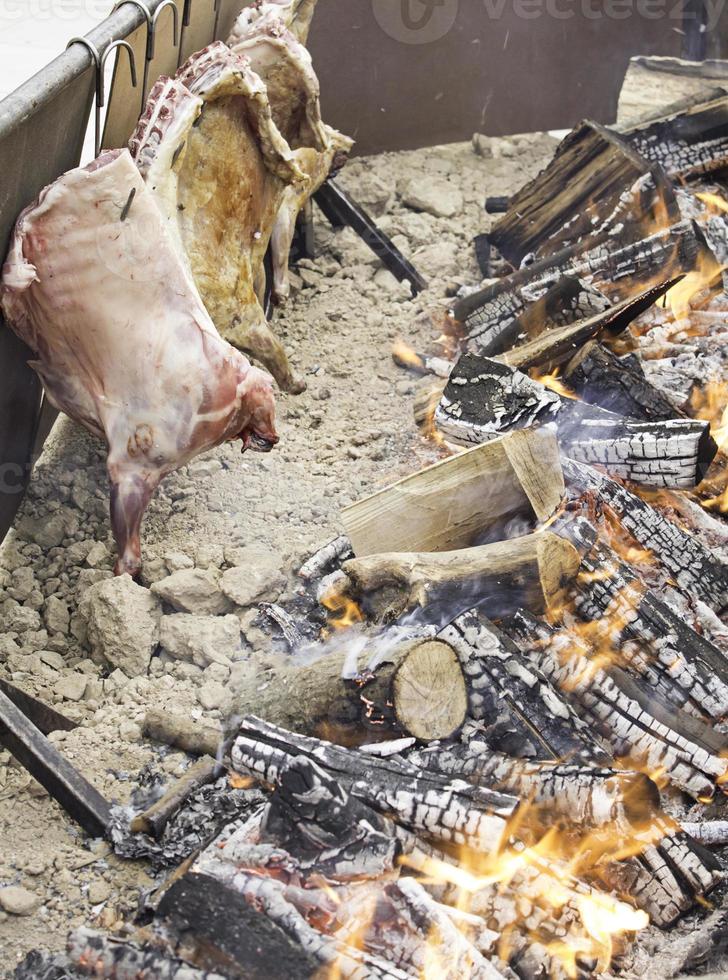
<point x="343" y="611"/>
<point x="406" y="357"/>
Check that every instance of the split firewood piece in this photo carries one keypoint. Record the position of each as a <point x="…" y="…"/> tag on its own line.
<point x="247" y="925"/>
<point x="451" y="504"/>
<point x="531" y="570"/>
<point x="522" y="313"/>
<point x="448" y="811"/>
<point x="555" y="346"/>
<point x="612" y="264"/>
<point x="323" y="559"/>
<point x="524" y="713"/>
<point x="218" y="166"/>
<point x="710" y="833"/>
<point x="595" y="182"/>
<point x="484" y="398"/>
<point x="696" y="568"/>
<point x="413" y="687"/>
<point x="685" y="667"/>
<point x="95" y="954"/>
<point x="585" y="796"/>
<point x="635" y="721"/>
<point x="687" y="145"/>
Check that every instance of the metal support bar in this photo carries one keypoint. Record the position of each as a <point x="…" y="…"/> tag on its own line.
<point x="341" y="210"/>
<point x="45" y="718"/>
<point x="64" y="783"/>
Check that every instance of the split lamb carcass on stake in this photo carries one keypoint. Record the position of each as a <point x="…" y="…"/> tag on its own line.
<point x="95" y="285"/>
<point x="272" y="37"/>
<point x="210" y="153"/>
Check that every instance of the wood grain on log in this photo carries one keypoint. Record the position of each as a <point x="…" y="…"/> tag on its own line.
<point x="531" y="571"/>
<point x="449" y="505"/>
<point x="696" y="568"/>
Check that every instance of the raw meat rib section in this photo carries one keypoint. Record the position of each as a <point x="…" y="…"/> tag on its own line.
<point x="212" y="156"/>
<point x="95" y="285"/>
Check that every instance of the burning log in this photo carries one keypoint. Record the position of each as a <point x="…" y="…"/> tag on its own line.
<point x="530" y="570"/>
<point x="612" y="264"/>
<point x="415" y="688"/>
<point x="524" y="713"/>
<point x="95" y="954"/>
<point x="685" y="667"/>
<point x="484" y="398"/>
<point x="559" y="344"/>
<point x="451" y="504"/>
<point x="696" y="568"/>
<point x="595" y="182"/>
<point x="634" y="721"/>
<point x="525" y="312"/>
<point x="423" y="802"/>
<point x="585" y="796"/>
<point x="689" y="144"/>
<point x="711" y="833"/>
<point x="599" y="377"/>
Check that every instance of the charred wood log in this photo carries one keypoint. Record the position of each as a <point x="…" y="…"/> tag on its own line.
<point x="414" y="687"/>
<point x="510" y="318"/>
<point x="685" y="667"/>
<point x="710" y="833"/>
<point x="219" y="930"/>
<point x="613" y="264"/>
<point x="451" y="504"/>
<point x="585" y="796"/>
<point x="595" y="182"/>
<point x="95" y="954"/>
<point x="153" y="820"/>
<point x="423" y="802"/>
<point x="599" y="377"/>
<point x="484" y="398"/>
<point x="696" y="568"/>
<point x="531" y="570"/>
<point x="688" y="145"/>
<point x="524" y="713"/>
<point x="635" y="722"/>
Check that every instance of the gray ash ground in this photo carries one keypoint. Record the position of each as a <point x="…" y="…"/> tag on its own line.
<point x="219" y="532"/>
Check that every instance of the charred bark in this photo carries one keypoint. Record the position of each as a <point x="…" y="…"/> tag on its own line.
<point x="688" y="145"/>
<point x="696" y="568"/>
<point x="485" y="398"/>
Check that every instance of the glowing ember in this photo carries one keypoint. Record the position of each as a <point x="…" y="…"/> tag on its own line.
<point x="553" y="382"/>
<point x="240" y="782"/>
<point x="405" y="356"/>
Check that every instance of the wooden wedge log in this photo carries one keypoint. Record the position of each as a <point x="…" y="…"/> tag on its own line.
<point x="453" y="503"/>
<point x="696" y="569"/>
<point x="484" y="398"/>
<point x="531" y="570"/>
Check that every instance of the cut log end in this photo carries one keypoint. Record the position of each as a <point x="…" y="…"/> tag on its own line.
<point x="430" y="694"/>
<point x="557" y="566"/>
